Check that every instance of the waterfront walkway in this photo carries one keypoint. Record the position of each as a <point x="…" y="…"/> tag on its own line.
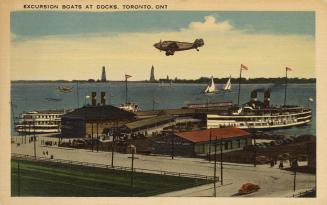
<point x="273" y="182"/>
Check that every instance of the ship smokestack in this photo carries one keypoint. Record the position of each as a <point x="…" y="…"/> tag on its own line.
<point x="94" y="98"/>
<point x="266" y="101"/>
<point x="103" y="98"/>
<point x="254" y="95"/>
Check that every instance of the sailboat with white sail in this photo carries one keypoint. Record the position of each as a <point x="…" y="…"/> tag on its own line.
<point x="228" y="85"/>
<point x="211" y="88"/>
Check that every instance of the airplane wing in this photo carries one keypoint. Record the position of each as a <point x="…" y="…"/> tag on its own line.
<point x="173" y="46"/>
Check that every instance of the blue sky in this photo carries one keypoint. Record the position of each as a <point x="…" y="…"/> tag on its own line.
<point x="75" y="45"/>
<point x="36" y="24"/>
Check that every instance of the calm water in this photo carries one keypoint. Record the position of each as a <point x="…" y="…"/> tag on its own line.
<point x="32" y="96"/>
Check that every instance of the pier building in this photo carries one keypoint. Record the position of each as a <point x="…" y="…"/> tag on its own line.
<point x="201" y="142"/>
<point x="90" y="121"/>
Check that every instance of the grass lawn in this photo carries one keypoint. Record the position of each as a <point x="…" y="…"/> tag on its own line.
<point x="53" y="179"/>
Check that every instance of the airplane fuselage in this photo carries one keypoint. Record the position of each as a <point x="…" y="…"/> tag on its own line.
<point x="171" y="46"/>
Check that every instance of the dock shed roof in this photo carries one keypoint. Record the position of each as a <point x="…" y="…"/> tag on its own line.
<point x="101" y="112"/>
<point x="204" y="135"/>
<point x="149" y="122"/>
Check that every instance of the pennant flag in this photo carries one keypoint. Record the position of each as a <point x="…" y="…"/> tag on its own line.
<point x="244" y="67"/>
<point x="288" y="69"/>
<point x="127" y="76"/>
<point x="310" y="99"/>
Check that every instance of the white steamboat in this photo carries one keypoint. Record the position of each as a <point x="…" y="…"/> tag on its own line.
<point x="260" y="115"/>
<point x="39" y="122"/>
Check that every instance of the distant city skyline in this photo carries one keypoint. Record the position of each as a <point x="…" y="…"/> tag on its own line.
<point x="75" y="45"/>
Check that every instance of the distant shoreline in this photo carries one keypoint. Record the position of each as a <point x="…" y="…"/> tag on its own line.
<point x="202" y="80"/>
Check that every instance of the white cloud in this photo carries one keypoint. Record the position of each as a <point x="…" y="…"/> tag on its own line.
<point x="210" y="24"/>
<point x="81" y="57"/>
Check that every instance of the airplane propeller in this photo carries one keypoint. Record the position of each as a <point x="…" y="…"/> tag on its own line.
<point x="160" y="44"/>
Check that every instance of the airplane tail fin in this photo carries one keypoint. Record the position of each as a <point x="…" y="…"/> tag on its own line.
<point x="198" y="42"/>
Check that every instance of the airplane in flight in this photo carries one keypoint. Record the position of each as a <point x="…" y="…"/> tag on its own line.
<point x="171" y="46"/>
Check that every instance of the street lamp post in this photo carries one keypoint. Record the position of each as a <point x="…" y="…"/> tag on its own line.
<point x="221" y="161"/>
<point x="294" y="166"/>
<point x="215" y="170"/>
<point x="172" y="145"/>
<point x="132" y="149"/>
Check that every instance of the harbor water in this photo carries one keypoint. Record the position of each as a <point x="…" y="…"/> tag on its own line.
<point x="41" y="96"/>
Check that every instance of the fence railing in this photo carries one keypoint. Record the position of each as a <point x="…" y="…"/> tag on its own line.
<point x="106" y="166"/>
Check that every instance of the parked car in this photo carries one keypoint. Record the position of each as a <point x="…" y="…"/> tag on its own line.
<point x="248" y="188"/>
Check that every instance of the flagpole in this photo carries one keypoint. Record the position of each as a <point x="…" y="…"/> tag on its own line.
<point x="126" y="89"/>
<point x="285" y="86"/>
<point x="239" y="86"/>
<point x="77" y="94"/>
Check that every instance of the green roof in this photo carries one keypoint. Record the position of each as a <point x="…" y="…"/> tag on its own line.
<point x="148" y="121"/>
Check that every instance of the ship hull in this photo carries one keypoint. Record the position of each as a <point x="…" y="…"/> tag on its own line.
<point x="263" y="122"/>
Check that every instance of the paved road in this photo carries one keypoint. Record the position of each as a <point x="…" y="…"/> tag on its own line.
<point x="273" y="181"/>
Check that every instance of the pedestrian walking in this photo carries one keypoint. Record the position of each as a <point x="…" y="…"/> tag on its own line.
<point x="272" y="163"/>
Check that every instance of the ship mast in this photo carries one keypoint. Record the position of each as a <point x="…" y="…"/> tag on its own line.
<point x="286" y="69"/>
<point x="126" y="88"/>
<point x="77" y="94"/>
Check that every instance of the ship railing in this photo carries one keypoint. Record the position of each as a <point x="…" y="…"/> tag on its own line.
<point x="109" y="167"/>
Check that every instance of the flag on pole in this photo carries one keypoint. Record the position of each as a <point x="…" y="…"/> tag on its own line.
<point x="127" y="76"/>
<point x="288" y="69"/>
<point x="244" y="67"/>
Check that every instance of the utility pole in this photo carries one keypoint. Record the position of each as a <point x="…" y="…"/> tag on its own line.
<point x="221" y="160"/>
<point x="255" y="150"/>
<point x="97" y="136"/>
<point x="112" y="150"/>
<point x="172" y="144"/>
<point x="215" y="170"/>
<point x="210" y="139"/>
<point x="92" y="136"/>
